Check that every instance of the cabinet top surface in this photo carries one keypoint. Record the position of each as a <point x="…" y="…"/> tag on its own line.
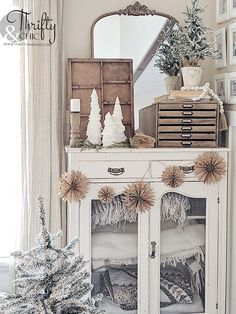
<point x="146" y="150"/>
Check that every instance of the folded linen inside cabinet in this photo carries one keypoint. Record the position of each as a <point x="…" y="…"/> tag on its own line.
<point x="182" y="242"/>
<point x="188" y="263"/>
<point x="109" y="249"/>
<point x="174" y="207"/>
<point x="197" y="270"/>
<point x="120" y="286"/>
<point x="121" y="227"/>
<point x="175" y="288"/>
<point x="115" y="213"/>
<point x="178" y="308"/>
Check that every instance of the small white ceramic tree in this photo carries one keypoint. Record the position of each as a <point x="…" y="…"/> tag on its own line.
<point x="94" y="128"/>
<point x="118" y="117"/>
<point x="109" y="131"/>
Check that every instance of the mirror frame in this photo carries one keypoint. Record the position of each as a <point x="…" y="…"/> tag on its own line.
<point x="136" y="9"/>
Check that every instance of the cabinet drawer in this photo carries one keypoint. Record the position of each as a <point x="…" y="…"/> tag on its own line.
<point x="186" y="106"/>
<point x="186" y="121"/>
<point x="186" y="128"/>
<point x="184" y="136"/>
<point x="188" y="113"/>
<point x="186" y="143"/>
<point x="114" y="169"/>
<point x="187" y="165"/>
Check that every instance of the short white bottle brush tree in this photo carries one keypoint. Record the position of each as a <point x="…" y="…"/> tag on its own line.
<point x="109" y="132"/>
<point x="118" y="118"/>
<point x="94" y="128"/>
<point x="50" y="280"/>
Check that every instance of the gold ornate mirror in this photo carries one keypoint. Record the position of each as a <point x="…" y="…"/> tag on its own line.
<point x="136" y="33"/>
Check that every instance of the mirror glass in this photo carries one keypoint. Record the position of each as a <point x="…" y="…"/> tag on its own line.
<point x="136" y="38"/>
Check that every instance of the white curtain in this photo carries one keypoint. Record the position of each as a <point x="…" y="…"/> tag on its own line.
<point x="43" y="112"/>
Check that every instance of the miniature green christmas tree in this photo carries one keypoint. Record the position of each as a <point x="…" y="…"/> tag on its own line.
<point x="168" y="59"/>
<point x="195" y="46"/>
<point x="50" y="280"/>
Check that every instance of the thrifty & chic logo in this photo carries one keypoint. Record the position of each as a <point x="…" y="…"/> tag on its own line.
<point x="17" y="28"/>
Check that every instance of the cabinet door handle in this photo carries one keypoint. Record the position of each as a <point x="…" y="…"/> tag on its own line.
<point x="153" y="254"/>
<point x="116" y="171"/>
<point x="187" y="169"/>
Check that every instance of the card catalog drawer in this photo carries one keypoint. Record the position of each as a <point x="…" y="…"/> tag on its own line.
<point x="186" y="106"/>
<point x="184" y="136"/>
<point x="114" y="169"/>
<point x="188" y="113"/>
<point x="187" y="121"/>
<point x="187" y="143"/>
<point x="186" y="128"/>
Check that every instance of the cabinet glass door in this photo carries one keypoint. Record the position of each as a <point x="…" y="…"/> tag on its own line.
<point x="188" y="250"/>
<point x="114" y="250"/>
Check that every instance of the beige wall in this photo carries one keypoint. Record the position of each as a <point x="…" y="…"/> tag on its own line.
<point x="80" y="15"/>
<point x="229" y="68"/>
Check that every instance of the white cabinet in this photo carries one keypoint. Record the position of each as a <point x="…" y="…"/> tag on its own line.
<point x="171" y="259"/>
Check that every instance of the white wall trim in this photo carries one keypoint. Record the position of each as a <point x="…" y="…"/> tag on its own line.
<point x="231" y="115"/>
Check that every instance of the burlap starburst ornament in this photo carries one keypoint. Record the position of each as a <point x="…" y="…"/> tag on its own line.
<point x="106" y="194"/>
<point x="210" y="167"/>
<point x="73" y="186"/>
<point x="172" y="176"/>
<point x="139" y="196"/>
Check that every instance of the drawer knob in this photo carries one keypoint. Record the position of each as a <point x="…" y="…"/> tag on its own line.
<point x="186" y="143"/>
<point x="187" y="113"/>
<point x="187" y="106"/>
<point x="186" y="128"/>
<point x="116" y="171"/>
<point x="187" y="121"/>
<point x="186" y="135"/>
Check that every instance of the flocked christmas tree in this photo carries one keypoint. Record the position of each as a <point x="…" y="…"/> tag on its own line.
<point x="50" y="280"/>
<point x="195" y="46"/>
<point x="94" y="127"/>
<point x="109" y="131"/>
<point x="118" y="118"/>
<point x="168" y="59"/>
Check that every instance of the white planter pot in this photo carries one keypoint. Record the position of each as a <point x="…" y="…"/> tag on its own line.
<point x="172" y="83"/>
<point x="192" y="76"/>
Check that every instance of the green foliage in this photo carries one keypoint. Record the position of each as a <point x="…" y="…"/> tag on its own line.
<point x="85" y="144"/>
<point x="195" y="46"/>
<point x="168" y="60"/>
<point x="187" y="44"/>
